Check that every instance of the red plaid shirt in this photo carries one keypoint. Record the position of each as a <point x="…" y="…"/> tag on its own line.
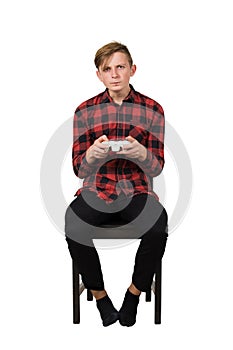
<point x="138" y="116"/>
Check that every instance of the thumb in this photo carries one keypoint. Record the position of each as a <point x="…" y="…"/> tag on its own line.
<point x="102" y="138"/>
<point x="130" y="138"/>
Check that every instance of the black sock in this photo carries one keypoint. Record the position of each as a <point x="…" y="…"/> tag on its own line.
<point x="107" y="311"/>
<point x="128" y="310"/>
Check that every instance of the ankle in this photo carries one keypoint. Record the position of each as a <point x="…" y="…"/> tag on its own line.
<point x="133" y="290"/>
<point x="98" y="294"/>
<point x="108" y="313"/>
<point x="128" y="310"/>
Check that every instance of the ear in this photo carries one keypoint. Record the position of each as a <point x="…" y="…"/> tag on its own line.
<point x="133" y="70"/>
<point x="99" y="75"/>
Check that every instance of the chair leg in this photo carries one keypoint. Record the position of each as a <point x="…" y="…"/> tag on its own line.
<point x="148" y="295"/>
<point x="158" y="294"/>
<point x="89" y="295"/>
<point x="76" y="295"/>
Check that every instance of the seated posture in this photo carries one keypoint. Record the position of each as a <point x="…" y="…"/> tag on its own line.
<point x="118" y="148"/>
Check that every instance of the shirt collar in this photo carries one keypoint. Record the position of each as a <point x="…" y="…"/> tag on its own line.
<point x="130" y="98"/>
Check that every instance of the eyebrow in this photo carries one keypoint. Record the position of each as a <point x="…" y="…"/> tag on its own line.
<point x="119" y="64"/>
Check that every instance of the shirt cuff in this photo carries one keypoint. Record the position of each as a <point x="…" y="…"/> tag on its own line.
<point x="148" y="159"/>
<point x="86" y="169"/>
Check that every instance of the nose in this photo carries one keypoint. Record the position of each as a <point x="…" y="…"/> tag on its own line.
<point x="114" y="73"/>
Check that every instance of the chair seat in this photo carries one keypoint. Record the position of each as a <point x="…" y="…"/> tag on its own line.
<point x="116" y="230"/>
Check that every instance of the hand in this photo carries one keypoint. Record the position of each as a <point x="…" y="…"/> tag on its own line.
<point x="97" y="150"/>
<point x="134" y="149"/>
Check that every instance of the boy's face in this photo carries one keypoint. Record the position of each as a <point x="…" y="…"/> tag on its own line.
<point x="115" y="73"/>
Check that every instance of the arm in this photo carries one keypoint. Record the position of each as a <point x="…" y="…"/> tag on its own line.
<point x="154" y="161"/>
<point x="87" y="154"/>
<point x="151" y="157"/>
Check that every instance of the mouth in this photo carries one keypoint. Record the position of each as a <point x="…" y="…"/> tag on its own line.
<point x="115" y="83"/>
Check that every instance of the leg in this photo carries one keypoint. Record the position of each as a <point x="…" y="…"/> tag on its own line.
<point x="87" y="260"/>
<point x="107" y="311"/>
<point x="148" y="214"/>
<point x="150" y="252"/>
<point x="85" y="256"/>
<point x="79" y="235"/>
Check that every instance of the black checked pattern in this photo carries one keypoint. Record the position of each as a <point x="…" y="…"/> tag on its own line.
<point x="138" y="116"/>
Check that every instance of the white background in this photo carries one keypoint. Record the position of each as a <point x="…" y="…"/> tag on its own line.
<point x="183" y="50"/>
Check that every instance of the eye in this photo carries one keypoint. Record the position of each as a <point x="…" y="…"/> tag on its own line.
<point x="120" y="66"/>
<point x="107" y="69"/>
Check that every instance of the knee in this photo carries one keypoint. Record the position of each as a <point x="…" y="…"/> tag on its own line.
<point x="70" y="221"/>
<point x="159" y="230"/>
<point x="77" y="229"/>
<point x="74" y="226"/>
<point x="159" y="215"/>
<point x="163" y="221"/>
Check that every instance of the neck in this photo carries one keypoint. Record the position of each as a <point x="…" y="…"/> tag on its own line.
<point x="119" y="96"/>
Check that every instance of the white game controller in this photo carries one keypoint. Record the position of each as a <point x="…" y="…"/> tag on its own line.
<point x="116" y="145"/>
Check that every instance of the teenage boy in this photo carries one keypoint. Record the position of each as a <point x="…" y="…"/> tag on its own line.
<point x="117" y="185"/>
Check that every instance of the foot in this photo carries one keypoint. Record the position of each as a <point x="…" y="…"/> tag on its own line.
<point x="128" y="311"/>
<point x="108" y="313"/>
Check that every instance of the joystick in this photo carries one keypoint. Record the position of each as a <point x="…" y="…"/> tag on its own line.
<point x="116" y="145"/>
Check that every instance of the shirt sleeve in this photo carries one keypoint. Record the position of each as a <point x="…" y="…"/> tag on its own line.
<point x="81" y="142"/>
<point x="154" y="162"/>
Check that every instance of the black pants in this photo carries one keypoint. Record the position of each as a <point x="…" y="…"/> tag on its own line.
<point x="87" y="212"/>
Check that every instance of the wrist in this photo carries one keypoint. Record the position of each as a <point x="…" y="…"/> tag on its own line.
<point x="89" y="158"/>
<point x="143" y="155"/>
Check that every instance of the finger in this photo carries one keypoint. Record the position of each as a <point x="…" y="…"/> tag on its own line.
<point x="134" y="155"/>
<point x="127" y="149"/>
<point x="103" y="147"/>
<point x="126" y="153"/>
<point x="130" y="139"/>
<point x="100" y="153"/>
<point x="130" y="153"/>
<point x="102" y="138"/>
<point x="99" y="149"/>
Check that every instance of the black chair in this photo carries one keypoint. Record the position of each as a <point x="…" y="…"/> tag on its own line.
<point x="78" y="286"/>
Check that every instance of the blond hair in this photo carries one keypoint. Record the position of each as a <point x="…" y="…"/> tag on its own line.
<point x="108" y="50"/>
